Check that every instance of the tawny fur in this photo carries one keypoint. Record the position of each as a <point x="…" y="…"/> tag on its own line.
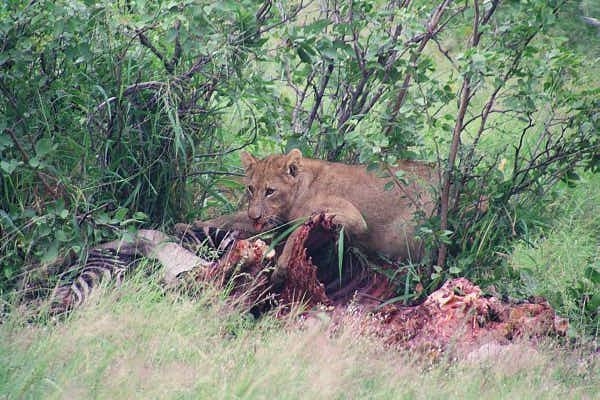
<point x="287" y="187"/>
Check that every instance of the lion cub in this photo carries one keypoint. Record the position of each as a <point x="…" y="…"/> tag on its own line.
<point x="282" y="188"/>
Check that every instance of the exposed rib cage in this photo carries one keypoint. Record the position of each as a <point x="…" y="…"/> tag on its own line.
<point x="101" y="265"/>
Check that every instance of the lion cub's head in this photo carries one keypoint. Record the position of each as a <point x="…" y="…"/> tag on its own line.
<point x="272" y="185"/>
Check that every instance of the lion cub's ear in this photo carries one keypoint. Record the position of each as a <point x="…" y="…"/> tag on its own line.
<point x="248" y="160"/>
<point x="293" y="161"/>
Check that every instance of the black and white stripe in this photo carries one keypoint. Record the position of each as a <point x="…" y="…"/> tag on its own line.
<point x="219" y="240"/>
<point x="100" y="266"/>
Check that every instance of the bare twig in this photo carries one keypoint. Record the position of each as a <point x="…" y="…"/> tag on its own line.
<point x="592" y="21"/>
<point x="446" y="53"/>
<point x="129" y="90"/>
<point x="209" y="172"/>
<point x="178" y="50"/>
<point x="432" y="29"/>
<point x="319" y="97"/>
<point x="146" y="43"/>
<point x="168" y="64"/>
<point x="486" y="111"/>
<point x="285" y="19"/>
<point x="403" y="188"/>
<point x="465" y="96"/>
<point x="263" y="12"/>
<point x="245" y="144"/>
<point x="300" y="97"/>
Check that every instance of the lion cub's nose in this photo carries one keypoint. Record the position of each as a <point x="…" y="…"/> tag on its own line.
<point x="254" y="213"/>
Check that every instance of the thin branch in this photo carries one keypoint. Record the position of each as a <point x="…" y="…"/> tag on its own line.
<point x="423" y="39"/>
<point x="492" y="99"/>
<point x="300" y="97"/>
<point x="591" y="21"/>
<point x="552" y="159"/>
<point x="263" y="12"/>
<point x="201" y="61"/>
<point x="245" y="144"/>
<point x="403" y="188"/>
<point x="178" y="50"/>
<point x="490" y="12"/>
<point x="209" y="172"/>
<point x="446" y="53"/>
<point x="146" y="43"/>
<point x="447" y="182"/>
<point x="465" y="96"/>
<point x="319" y="97"/>
<point x="286" y="19"/>
<point x="129" y="90"/>
<point x="17" y="144"/>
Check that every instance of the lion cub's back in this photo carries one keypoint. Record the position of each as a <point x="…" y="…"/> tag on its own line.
<point x="391" y="214"/>
<point x="367" y="189"/>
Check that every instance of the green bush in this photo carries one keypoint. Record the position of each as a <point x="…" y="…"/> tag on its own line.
<point x="121" y="114"/>
<point x="110" y="112"/>
<point x="562" y="262"/>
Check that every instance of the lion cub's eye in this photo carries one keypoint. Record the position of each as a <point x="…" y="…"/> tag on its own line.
<point x="269" y="191"/>
<point x="251" y="190"/>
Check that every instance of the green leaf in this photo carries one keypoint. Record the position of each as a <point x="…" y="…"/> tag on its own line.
<point x="121" y="213"/>
<point x="329" y="53"/>
<point x="593" y="275"/>
<point x="317" y="26"/>
<point x="61" y="236"/>
<point x="43" y="147"/>
<point x="401" y="176"/>
<point x="9" y="166"/>
<point x="140" y="216"/>
<point x="402" y="298"/>
<point x="6" y="220"/>
<point x="102" y="218"/>
<point x="593" y="303"/>
<point x="5" y="141"/>
<point x="304" y="57"/>
<point x="34" y="162"/>
<point x="50" y="255"/>
<point x="292" y="226"/>
<point x="44" y="229"/>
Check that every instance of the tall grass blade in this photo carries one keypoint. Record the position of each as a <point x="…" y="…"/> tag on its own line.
<point x="340" y="251"/>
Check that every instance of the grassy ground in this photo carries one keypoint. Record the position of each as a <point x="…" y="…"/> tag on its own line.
<point x="559" y="264"/>
<point x="138" y="342"/>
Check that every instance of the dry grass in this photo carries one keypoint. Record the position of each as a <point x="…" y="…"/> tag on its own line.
<point x="139" y="343"/>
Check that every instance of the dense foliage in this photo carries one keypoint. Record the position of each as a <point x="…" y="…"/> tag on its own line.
<point x="116" y="114"/>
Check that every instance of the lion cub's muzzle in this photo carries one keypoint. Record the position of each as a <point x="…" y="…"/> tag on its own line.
<point x="268" y="223"/>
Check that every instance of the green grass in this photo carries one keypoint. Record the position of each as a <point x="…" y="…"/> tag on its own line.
<point x="139" y="342"/>
<point x="556" y="265"/>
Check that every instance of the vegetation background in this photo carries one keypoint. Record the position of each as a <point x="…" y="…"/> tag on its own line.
<point x="128" y="114"/>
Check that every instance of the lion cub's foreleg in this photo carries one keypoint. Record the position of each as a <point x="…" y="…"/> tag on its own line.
<point x="238" y="221"/>
<point x="344" y="214"/>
